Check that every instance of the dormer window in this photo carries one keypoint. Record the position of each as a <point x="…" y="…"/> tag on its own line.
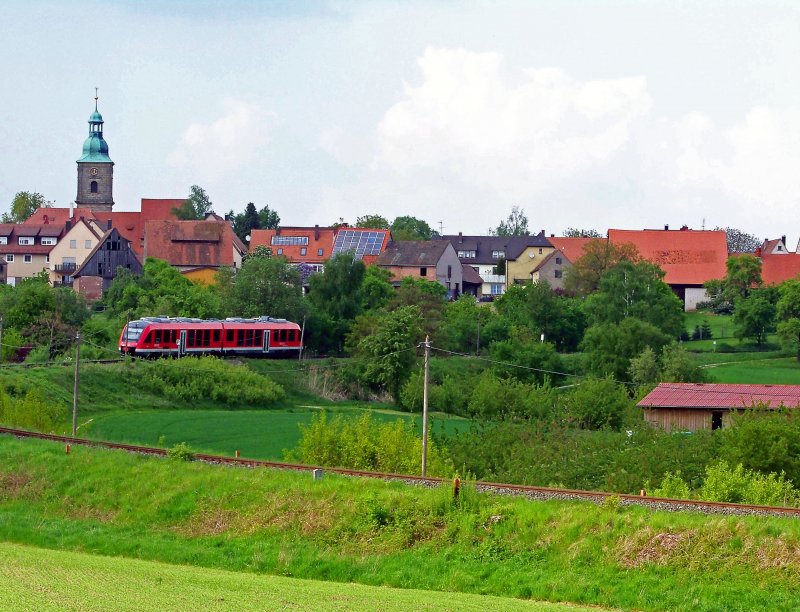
<point x="26" y="240"/>
<point x="3" y="239"/>
<point x="49" y="241"/>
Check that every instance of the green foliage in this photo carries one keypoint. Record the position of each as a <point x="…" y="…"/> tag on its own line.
<point x="677" y="365"/>
<point x="672" y="487"/>
<point x="376" y="290"/>
<point x="738" y="485"/>
<point x="372" y="222"/>
<point x="599" y="256"/>
<point x="24" y="204"/>
<point x="411" y="228"/>
<point x="739" y="241"/>
<point x="495" y="397"/>
<point x="515" y="225"/>
<point x="574" y="232"/>
<point x="609" y="347"/>
<point x="196" y="205"/>
<point x="459" y="330"/>
<point x="754" y="316"/>
<point x="528" y="359"/>
<point x="636" y="290"/>
<point x="365" y="444"/>
<point x="31" y="411"/>
<point x="644" y="368"/>
<point x="390" y="349"/>
<point x="429" y="296"/>
<point x="598" y="403"/>
<point x="743" y="274"/>
<point x="181" y="452"/>
<point x="193" y="379"/>
<point x="788" y="312"/>
<point x="267" y="286"/>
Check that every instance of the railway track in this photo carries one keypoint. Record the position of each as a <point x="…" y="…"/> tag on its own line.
<point x="530" y="492"/>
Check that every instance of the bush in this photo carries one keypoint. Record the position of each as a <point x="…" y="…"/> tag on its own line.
<point x="181" y="452"/>
<point x="598" y="403"/>
<point x="738" y="485"/>
<point x="191" y="379"/>
<point x="364" y="444"/>
<point x="672" y="486"/>
<point x="32" y="411"/>
<point x="494" y="396"/>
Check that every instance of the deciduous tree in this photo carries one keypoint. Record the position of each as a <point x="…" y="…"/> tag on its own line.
<point x="516" y="224"/>
<point x="598" y="257"/>
<point x="739" y="241"/>
<point x="788" y="310"/>
<point x="195" y="207"/>
<point x="411" y="228"/>
<point x="372" y="222"/>
<point x="24" y="204"/>
<point x="754" y="316"/>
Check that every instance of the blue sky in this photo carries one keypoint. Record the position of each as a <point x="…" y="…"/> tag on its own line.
<point x="588" y="114"/>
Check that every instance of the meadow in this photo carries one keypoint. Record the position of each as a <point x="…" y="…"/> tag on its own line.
<point x="41" y="579"/>
<point x="389" y="534"/>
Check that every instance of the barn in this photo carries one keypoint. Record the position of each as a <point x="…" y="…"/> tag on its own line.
<point x="695" y="406"/>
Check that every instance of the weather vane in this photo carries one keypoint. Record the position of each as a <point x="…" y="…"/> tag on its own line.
<point x="95" y="98"/>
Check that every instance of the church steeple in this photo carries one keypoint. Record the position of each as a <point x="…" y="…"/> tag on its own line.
<point x="95" y="168"/>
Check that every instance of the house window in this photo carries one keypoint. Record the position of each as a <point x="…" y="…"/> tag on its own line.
<point x="498" y="254"/>
<point x="3" y="239"/>
<point x="449" y="271"/>
<point x="466" y="254"/>
<point x="496" y="288"/>
<point x="319" y="252"/>
<point x="48" y="241"/>
<point x="558" y="260"/>
<point x="303" y="251"/>
<point x="716" y="419"/>
<point x="87" y="244"/>
<point x="25" y="240"/>
<point x="289" y="240"/>
<point x="280" y="251"/>
<point x="10" y="258"/>
<point x="27" y="258"/>
<point x="47" y="259"/>
<point x="73" y="244"/>
<point x="93" y="187"/>
<point x="423" y="271"/>
<point x="557" y="273"/>
<point x="540" y="251"/>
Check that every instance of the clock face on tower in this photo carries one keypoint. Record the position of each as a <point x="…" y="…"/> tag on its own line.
<point x="93" y="171"/>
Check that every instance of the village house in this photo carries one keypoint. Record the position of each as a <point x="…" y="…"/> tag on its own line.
<point x="524" y="256"/>
<point x="778" y="264"/>
<point x="25" y="249"/>
<point x="431" y="260"/>
<point x="80" y="239"/>
<point x="688" y="257"/>
<point x="100" y="266"/>
<point x="696" y="406"/>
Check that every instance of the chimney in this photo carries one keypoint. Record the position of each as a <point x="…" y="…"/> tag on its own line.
<point x="684" y="228"/>
<point x="460" y="238"/>
<point x="46" y="219"/>
<point x="108" y="224"/>
<point x="552" y="235"/>
<point x="783" y="240"/>
<point x="316" y="231"/>
<point x="69" y="224"/>
<point x="666" y="228"/>
<point x="70" y="210"/>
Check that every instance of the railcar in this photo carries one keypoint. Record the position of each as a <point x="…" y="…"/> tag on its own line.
<point x="180" y="336"/>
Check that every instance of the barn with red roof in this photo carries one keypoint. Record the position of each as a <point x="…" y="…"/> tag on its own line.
<point x="696" y="406"/>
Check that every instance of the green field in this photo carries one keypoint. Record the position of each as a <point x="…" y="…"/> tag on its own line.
<point x="257" y="434"/>
<point x="40" y="579"/>
<point x="376" y="533"/>
<point x="782" y="371"/>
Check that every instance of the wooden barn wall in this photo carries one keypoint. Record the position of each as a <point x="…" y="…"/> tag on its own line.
<point x="675" y="419"/>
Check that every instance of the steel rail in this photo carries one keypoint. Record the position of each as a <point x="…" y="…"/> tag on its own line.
<point x="533" y="492"/>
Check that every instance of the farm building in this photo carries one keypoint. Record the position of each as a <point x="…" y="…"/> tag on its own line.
<point x="695" y="406"/>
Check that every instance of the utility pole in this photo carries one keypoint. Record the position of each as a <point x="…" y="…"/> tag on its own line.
<point x="478" y="341"/>
<point x="75" y="385"/>
<point x="425" y="410"/>
<point x="302" y="335"/>
<point x="1" y="339"/>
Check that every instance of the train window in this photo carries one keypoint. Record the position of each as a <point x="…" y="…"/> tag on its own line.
<point x="259" y="337"/>
<point x="230" y="336"/>
<point x="149" y="338"/>
<point x="216" y="336"/>
<point x="275" y="336"/>
<point x="240" y="338"/>
<point x="248" y="337"/>
<point x="190" y="338"/>
<point x="206" y="337"/>
<point x="291" y="335"/>
<point x="158" y="336"/>
<point x="283" y="335"/>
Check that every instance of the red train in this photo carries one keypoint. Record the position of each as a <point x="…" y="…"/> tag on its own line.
<point x="179" y="336"/>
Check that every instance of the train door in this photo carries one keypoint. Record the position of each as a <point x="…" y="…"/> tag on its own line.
<point x="266" y="341"/>
<point x="182" y="343"/>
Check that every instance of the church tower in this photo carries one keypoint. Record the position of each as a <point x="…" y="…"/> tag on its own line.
<point x="95" y="168"/>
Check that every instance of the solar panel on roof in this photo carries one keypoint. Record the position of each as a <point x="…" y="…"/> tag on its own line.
<point x="363" y="243"/>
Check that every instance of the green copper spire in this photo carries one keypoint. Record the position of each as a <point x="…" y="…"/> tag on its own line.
<point x="95" y="149"/>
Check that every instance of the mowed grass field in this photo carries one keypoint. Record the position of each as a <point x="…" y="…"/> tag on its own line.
<point x="257" y="434"/>
<point x="41" y="579"/>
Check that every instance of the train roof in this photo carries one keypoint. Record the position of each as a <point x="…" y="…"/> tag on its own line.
<point x="237" y="320"/>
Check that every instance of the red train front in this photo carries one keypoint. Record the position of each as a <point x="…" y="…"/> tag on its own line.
<point x="179" y="336"/>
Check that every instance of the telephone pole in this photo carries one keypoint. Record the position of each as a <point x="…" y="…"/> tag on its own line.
<point x="75" y="385"/>
<point x="425" y="409"/>
<point x="1" y="339"/>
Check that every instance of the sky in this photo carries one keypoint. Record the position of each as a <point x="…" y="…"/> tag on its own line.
<point x="594" y="115"/>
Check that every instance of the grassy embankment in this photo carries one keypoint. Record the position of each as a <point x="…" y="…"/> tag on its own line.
<point x="40" y="579"/>
<point x="378" y="533"/>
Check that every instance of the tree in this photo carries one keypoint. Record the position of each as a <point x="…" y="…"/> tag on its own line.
<point x="739" y="241"/>
<point x="24" y="204"/>
<point x="574" y="232"/>
<point x="636" y="290"/>
<point x="411" y="228"/>
<point x="788" y="310"/>
<point x="539" y="362"/>
<point x="268" y="219"/>
<point x="743" y="275"/>
<point x="609" y="347"/>
<point x="376" y="290"/>
<point x="515" y="225"/>
<point x="598" y="257"/>
<point x="389" y="350"/>
<point x="754" y="316"/>
<point x="245" y="222"/>
<point x="267" y="286"/>
<point x="372" y="222"/>
<point x="195" y="207"/>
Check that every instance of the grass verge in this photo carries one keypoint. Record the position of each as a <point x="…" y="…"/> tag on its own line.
<point x="377" y="533"/>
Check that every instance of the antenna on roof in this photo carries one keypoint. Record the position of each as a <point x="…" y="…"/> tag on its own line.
<point x="703" y="225"/>
<point x="95" y="98"/>
<point x="441" y="228"/>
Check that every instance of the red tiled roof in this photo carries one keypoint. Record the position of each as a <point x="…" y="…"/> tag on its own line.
<point x="190" y="243"/>
<point x="778" y="268"/>
<point x="689" y="257"/>
<point x="318" y="238"/>
<point x="57" y="216"/>
<point x="572" y="248"/>
<point x="700" y="395"/>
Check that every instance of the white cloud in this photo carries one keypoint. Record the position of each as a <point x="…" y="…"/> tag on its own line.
<point x="211" y="150"/>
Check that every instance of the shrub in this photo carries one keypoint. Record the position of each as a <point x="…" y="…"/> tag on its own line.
<point x="362" y="443"/>
<point x="181" y="452"/>
<point x="191" y="379"/>
<point x="739" y="485"/>
<point x="32" y="411"/>
<point x="494" y="396"/>
<point x="597" y="403"/>
<point x="672" y="486"/>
